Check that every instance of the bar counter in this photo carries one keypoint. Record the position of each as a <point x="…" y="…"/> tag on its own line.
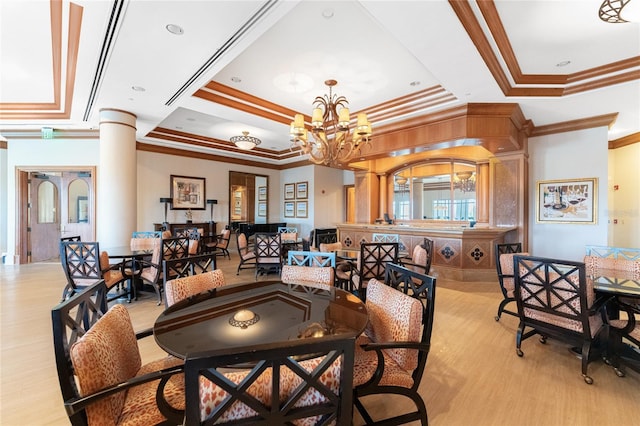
<point x="460" y="253"/>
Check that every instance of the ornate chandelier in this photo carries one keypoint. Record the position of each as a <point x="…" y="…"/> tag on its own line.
<point x="610" y="11"/>
<point x="464" y="181"/>
<point x="333" y="142"/>
<point x="245" y="141"/>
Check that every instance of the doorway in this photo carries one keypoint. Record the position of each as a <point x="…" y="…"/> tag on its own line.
<point x="53" y="203"/>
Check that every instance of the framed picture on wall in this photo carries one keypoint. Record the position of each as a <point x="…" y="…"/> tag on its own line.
<point x="187" y="193"/>
<point x="289" y="191"/>
<point x="567" y="201"/>
<point x="301" y="209"/>
<point x="289" y="207"/>
<point x="262" y="193"/>
<point x="301" y="190"/>
<point x="262" y="208"/>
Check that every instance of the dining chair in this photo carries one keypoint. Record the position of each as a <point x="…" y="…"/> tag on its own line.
<point x="311" y="276"/>
<point x="181" y="288"/>
<point x="311" y="258"/>
<point x="385" y="238"/>
<point x="222" y="244"/>
<point x="421" y="258"/>
<point x="371" y="263"/>
<point x="245" y="252"/>
<point x="391" y="354"/>
<point x="624" y="337"/>
<point x="100" y="371"/>
<point x="268" y="251"/>
<point x="164" y="249"/>
<point x="504" y="267"/>
<point x="301" y="382"/>
<point x="555" y="299"/>
<point x="193" y="234"/>
<point x="84" y="264"/>
<point x="71" y="238"/>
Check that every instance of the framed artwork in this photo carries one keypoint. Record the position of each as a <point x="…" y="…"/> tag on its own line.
<point x="289" y="191"/>
<point x="262" y="193"/>
<point x="301" y="190"/>
<point x="567" y="201"/>
<point x="289" y="209"/>
<point x="301" y="209"/>
<point x="262" y="208"/>
<point x="187" y="193"/>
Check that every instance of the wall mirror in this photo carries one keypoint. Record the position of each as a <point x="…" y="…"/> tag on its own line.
<point x="248" y="198"/>
<point x="439" y="190"/>
<point x="78" y="201"/>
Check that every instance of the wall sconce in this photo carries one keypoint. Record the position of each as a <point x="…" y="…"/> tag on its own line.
<point x="244" y="318"/>
<point x="211" y="203"/>
<point x="166" y="202"/>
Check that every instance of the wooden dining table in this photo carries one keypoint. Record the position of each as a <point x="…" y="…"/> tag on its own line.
<point x="257" y="313"/>
<point x="128" y="254"/>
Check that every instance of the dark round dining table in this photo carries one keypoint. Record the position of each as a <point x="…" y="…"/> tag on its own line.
<point x="277" y="312"/>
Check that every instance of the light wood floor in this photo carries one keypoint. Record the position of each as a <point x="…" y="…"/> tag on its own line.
<point x="473" y="375"/>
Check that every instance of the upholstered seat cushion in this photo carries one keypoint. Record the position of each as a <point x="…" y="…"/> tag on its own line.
<point x="316" y="276"/>
<point x="181" y="288"/>
<point x="570" y="284"/>
<point x="393" y="317"/>
<point x="595" y="264"/>
<point x="111" y="276"/>
<point x="506" y="266"/>
<point x="107" y="355"/>
<point x="211" y="395"/>
<point x="329" y="247"/>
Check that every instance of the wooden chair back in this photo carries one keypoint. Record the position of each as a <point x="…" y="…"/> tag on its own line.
<point x="303" y="380"/>
<point x="311" y="258"/>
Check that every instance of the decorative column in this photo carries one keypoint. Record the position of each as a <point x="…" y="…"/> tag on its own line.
<point x="383" y="194"/>
<point x="117" y="178"/>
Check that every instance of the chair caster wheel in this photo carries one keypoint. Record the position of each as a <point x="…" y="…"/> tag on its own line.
<point x="619" y="372"/>
<point x="519" y="352"/>
<point x="497" y="318"/>
<point x="543" y="340"/>
<point x="588" y="380"/>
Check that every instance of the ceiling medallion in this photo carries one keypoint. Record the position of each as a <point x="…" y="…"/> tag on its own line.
<point x="245" y="142"/>
<point x="333" y="142"/>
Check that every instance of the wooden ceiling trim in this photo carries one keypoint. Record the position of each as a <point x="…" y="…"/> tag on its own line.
<point x="215" y="98"/>
<point x="474" y="30"/>
<point x="410" y="109"/>
<point x="211" y="144"/>
<point x="606" y="69"/>
<point x="404" y="100"/>
<point x="492" y="19"/>
<point x="625" y="141"/>
<point x="54" y="110"/>
<point x="609" y="81"/>
<point x="250" y="99"/>
<point x="203" y="156"/>
<point x="573" y="125"/>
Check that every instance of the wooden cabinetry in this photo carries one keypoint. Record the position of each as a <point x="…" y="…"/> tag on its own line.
<point x="208" y="227"/>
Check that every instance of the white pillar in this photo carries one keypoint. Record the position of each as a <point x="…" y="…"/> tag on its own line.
<point x="117" y="178"/>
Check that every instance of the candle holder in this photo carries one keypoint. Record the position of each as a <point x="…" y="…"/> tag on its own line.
<point x="166" y="202"/>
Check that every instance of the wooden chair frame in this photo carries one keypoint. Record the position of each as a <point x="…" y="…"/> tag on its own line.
<point x="337" y="408"/>
<point x="71" y="320"/>
<point x="249" y="263"/>
<point x="311" y="258"/>
<point x="268" y="246"/>
<point x="421" y="287"/>
<point x="501" y="249"/>
<point x="187" y="266"/>
<point x="372" y="264"/>
<point x="556" y="289"/>
<point x="427" y="245"/>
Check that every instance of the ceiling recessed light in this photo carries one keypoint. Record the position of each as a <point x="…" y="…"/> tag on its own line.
<point x="138" y="88"/>
<point x="178" y="127"/>
<point x="191" y="119"/>
<point x="236" y="79"/>
<point x="563" y="63"/>
<point x="327" y="13"/>
<point x="175" y="29"/>
<point x="414" y="83"/>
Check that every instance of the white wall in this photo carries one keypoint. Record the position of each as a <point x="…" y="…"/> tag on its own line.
<point x="624" y="202"/>
<point x="39" y="152"/>
<point x="570" y="155"/>
<point x="154" y="171"/>
<point x="3" y="200"/>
